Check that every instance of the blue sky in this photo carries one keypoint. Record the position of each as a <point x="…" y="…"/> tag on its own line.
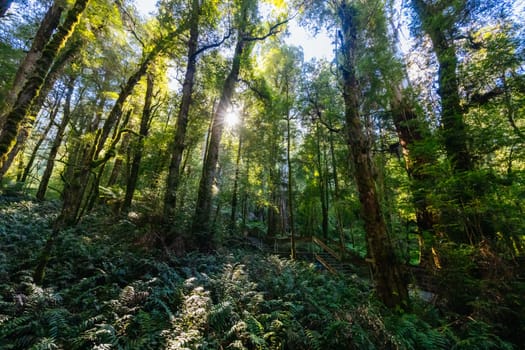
<point x="318" y="47"/>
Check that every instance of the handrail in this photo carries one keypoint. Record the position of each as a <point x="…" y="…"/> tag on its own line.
<point x="325" y="264"/>
<point x="326" y="248"/>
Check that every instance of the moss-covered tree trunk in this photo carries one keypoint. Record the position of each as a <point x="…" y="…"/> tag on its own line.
<point x="387" y="273"/>
<point x="411" y="132"/>
<point x="36" y="79"/>
<point x="27" y="66"/>
<point x="436" y="24"/>
<point x="462" y="221"/>
<point x="174" y="171"/>
<point x="26" y="126"/>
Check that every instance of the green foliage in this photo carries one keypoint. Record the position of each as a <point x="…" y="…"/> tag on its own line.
<point x="106" y="292"/>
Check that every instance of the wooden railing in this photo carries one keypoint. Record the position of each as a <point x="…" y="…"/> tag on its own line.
<point x="326" y="248"/>
<point x="325" y="264"/>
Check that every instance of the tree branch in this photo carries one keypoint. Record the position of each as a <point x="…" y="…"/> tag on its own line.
<point x="214" y="45"/>
<point x="273" y="30"/>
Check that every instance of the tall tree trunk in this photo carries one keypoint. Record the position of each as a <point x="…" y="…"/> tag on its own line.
<point x="27" y="124"/>
<point x="93" y="188"/>
<point x="469" y="227"/>
<point x="27" y="67"/>
<point x="322" y="185"/>
<point x="201" y="221"/>
<point x="337" y="196"/>
<point x="235" y="194"/>
<point x="92" y="158"/>
<point x="139" y="148"/>
<point x="411" y="132"/>
<point x="36" y="79"/>
<point x="66" y="116"/>
<point x="389" y="283"/>
<point x="52" y="116"/>
<point x="454" y="130"/>
<point x="174" y="171"/>
<point x="290" y="184"/>
<point x="119" y="161"/>
<point x="116" y="112"/>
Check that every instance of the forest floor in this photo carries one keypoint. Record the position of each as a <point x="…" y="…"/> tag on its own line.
<point x="106" y="288"/>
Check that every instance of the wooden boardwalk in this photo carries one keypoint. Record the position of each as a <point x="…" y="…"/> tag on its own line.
<point x="348" y="265"/>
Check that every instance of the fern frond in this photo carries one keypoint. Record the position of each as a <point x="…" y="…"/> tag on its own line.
<point x="45" y="344"/>
<point x="314" y="339"/>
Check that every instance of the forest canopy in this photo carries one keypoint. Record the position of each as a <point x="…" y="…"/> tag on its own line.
<point x="187" y="179"/>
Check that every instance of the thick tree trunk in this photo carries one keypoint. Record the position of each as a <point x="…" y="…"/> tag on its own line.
<point x="174" y="171"/>
<point x="201" y="221"/>
<point x="27" y="67"/>
<point x="454" y="130"/>
<point x="471" y="227"/>
<point x="389" y="283"/>
<point x="410" y="132"/>
<point x="139" y="149"/>
<point x="66" y="116"/>
<point x="35" y="81"/>
<point x="27" y="124"/>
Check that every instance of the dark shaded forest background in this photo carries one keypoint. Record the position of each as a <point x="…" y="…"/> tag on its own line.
<point x="187" y="180"/>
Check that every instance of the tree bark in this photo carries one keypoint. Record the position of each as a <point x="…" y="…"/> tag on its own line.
<point x="323" y="190"/>
<point x="235" y="194"/>
<point x="454" y="129"/>
<point x="27" y="124"/>
<point x="470" y="226"/>
<point x="201" y="221"/>
<point x="139" y="149"/>
<point x="174" y="171"/>
<point x="119" y="161"/>
<point x="411" y="132"/>
<point x="27" y="67"/>
<point x="52" y="116"/>
<point x="34" y="83"/>
<point x="66" y="117"/>
<point x="389" y="283"/>
<point x="290" y="184"/>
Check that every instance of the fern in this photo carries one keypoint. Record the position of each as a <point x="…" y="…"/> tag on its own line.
<point x="221" y="316"/>
<point x="314" y="339"/>
<point x="478" y="336"/>
<point x="45" y="344"/>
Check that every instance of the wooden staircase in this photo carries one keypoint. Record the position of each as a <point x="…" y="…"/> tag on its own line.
<point x="350" y="265"/>
<point x="333" y="262"/>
